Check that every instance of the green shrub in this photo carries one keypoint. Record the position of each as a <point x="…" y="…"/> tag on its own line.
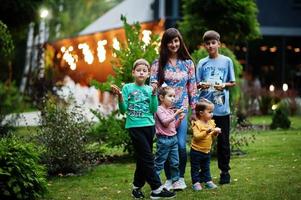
<point x="10" y="101"/>
<point x="21" y="175"/>
<point x="280" y="117"/>
<point x="63" y="132"/>
<point x="110" y="130"/>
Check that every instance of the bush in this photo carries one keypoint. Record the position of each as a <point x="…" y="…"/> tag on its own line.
<point x="280" y="117"/>
<point x="10" y="101"/>
<point x="110" y="130"/>
<point x="21" y="175"/>
<point x="63" y="133"/>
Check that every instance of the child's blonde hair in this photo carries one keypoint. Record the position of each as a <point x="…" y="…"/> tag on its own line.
<point x="202" y="105"/>
<point x="141" y="61"/>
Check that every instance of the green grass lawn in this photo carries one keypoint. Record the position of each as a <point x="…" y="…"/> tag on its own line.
<point x="271" y="169"/>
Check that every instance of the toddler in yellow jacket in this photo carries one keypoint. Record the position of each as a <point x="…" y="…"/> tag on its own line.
<point x="204" y="131"/>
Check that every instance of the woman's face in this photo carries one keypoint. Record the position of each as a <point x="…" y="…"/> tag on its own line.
<point x="174" y="45"/>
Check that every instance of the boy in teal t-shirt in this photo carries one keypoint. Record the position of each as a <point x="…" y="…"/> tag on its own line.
<point x="140" y="102"/>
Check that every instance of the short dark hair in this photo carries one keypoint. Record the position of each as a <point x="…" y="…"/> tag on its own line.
<point x="141" y="61"/>
<point x="211" y="35"/>
<point x="163" y="91"/>
<point x="202" y="105"/>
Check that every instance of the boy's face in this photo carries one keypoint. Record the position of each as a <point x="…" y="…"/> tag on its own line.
<point x="212" y="47"/>
<point x="140" y="74"/>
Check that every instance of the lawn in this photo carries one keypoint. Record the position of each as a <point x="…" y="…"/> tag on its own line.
<point x="270" y="170"/>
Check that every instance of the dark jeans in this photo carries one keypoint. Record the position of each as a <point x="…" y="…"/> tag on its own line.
<point x="142" y="139"/>
<point x="223" y="142"/>
<point x="200" y="166"/>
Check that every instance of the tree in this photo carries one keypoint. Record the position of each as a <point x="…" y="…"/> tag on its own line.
<point x="235" y="20"/>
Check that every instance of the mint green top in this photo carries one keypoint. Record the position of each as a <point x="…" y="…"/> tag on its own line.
<point x="139" y="105"/>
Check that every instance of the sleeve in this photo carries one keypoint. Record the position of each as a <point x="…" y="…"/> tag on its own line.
<point x="164" y="118"/>
<point x="198" y="74"/>
<point x="123" y="106"/>
<point x="231" y="74"/>
<point x="153" y="103"/>
<point x="198" y="132"/>
<point x="154" y="72"/>
<point x="191" y="85"/>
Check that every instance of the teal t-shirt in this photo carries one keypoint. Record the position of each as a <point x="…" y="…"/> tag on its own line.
<point x="139" y="105"/>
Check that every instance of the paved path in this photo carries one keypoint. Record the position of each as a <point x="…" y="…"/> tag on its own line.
<point x="33" y="118"/>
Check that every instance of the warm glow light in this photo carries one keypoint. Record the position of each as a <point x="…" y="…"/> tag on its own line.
<point x="88" y="56"/>
<point x="274" y="107"/>
<point x="116" y="44"/>
<point x="244" y="49"/>
<point x="263" y="48"/>
<point x="146" y="36"/>
<point x="63" y="49"/>
<point x="297" y="50"/>
<point x="284" y="87"/>
<point x="273" y="49"/>
<point x="101" y="51"/>
<point x="67" y="56"/>
<point x="44" y="13"/>
<point x="272" y="88"/>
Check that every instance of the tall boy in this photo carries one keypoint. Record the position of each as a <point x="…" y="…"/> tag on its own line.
<point x="215" y="75"/>
<point x="139" y="102"/>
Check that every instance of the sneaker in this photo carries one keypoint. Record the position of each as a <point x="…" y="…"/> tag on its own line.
<point x="224" y="178"/>
<point x="163" y="194"/>
<point x="178" y="186"/>
<point x="197" y="186"/>
<point x="182" y="183"/>
<point x="168" y="184"/>
<point x="210" y="185"/>
<point x="137" y="193"/>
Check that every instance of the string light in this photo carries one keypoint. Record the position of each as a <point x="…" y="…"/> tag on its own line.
<point x="101" y="51"/>
<point x="88" y="56"/>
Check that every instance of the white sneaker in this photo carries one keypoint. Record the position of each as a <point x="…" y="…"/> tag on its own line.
<point x="182" y="183"/>
<point x="168" y="184"/>
<point x="177" y="186"/>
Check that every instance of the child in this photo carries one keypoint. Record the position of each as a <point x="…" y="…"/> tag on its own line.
<point x="215" y="75"/>
<point x="204" y="131"/>
<point x="139" y="102"/>
<point x="167" y="141"/>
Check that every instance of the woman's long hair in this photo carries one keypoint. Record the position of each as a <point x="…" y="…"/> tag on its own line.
<point x="183" y="53"/>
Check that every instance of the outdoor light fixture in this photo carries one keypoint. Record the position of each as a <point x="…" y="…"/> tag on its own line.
<point x="272" y="88"/>
<point x="284" y="87"/>
<point x="44" y="13"/>
<point x="274" y="107"/>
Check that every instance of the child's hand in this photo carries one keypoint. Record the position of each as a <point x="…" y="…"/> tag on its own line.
<point x="203" y="85"/>
<point x="179" y="111"/>
<point x="217" y="130"/>
<point x="115" y="90"/>
<point x="154" y="85"/>
<point x="181" y="116"/>
<point x="219" y="87"/>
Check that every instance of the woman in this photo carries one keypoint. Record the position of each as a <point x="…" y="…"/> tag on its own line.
<point x="175" y="68"/>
